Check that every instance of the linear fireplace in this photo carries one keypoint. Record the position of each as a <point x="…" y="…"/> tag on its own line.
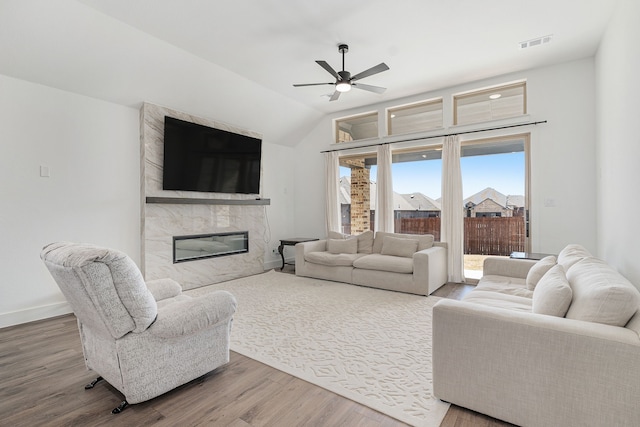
<point x="202" y="246"/>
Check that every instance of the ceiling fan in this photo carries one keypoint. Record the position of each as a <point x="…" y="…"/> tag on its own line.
<point x="344" y="80"/>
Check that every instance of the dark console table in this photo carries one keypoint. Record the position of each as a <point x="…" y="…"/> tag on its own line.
<point x="291" y="242"/>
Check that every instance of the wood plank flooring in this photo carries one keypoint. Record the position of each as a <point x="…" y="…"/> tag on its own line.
<point x="42" y="378"/>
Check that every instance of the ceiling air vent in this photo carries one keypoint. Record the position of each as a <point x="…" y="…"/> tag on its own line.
<point x="535" y="42"/>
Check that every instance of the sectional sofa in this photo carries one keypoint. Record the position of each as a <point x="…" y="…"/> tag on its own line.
<point x="548" y="343"/>
<point x="399" y="262"/>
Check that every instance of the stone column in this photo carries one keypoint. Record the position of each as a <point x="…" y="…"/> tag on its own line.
<point x="360" y="197"/>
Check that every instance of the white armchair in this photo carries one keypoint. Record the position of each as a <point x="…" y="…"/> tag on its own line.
<point x="143" y="338"/>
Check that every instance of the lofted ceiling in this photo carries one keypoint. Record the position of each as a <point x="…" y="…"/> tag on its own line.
<point x="272" y="44"/>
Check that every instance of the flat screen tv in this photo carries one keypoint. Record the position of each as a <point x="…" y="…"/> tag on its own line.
<point x="201" y="158"/>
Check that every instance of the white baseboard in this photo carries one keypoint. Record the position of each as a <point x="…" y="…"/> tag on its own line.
<point x="58" y="309"/>
<point x="33" y="314"/>
<point x="277" y="264"/>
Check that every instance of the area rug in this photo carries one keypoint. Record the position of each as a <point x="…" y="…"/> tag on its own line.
<point x="368" y="345"/>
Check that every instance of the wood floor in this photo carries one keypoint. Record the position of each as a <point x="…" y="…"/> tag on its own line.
<point x="42" y="378"/>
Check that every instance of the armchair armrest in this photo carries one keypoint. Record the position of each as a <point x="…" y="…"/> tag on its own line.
<point x="194" y="314"/>
<point x="430" y="266"/>
<point x="556" y="363"/>
<point x="498" y="266"/>
<point x="164" y="288"/>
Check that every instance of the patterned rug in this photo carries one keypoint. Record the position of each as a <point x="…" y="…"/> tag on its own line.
<point x="368" y="345"/>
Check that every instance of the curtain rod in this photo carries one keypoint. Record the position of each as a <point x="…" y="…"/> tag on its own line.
<point x="436" y="136"/>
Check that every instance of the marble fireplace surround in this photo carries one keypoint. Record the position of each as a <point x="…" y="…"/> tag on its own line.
<point x="165" y="214"/>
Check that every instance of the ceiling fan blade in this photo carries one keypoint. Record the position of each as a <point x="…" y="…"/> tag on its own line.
<point x="312" y="84"/>
<point x="371" y="71"/>
<point x="376" y="89"/>
<point x="327" y="67"/>
<point x="335" y="96"/>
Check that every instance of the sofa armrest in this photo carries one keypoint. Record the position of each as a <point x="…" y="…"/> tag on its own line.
<point x="194" y="314"/>
<point x="535" y="370"/>
<point x="498" y="266"/>
<point x="163" y="288"/>
<point x="430" y="266"/>
<point x="304" y="248"/>
<point x="312" y="246"/>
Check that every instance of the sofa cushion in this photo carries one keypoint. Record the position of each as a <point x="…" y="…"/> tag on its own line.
<point x="601" y="294"/>
<point x="342" y="246"/>
<point x="327" y="258"/>
<point x="552" y="295"/>
<point x="399" y="247"/>
<point x="499" y="300"/>
<point x="504" y="285"/>
<point x="572" y="254"/>
<point x="425" y="241"/>
<point x="365" y="240"/>
<point x="538" y="270"/>
<point x="390" y="263"/>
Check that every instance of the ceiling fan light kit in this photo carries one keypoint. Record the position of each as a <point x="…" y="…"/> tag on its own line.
<point x="344" y="80"/>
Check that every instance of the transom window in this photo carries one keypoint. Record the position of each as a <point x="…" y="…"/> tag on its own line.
<point x="415" y="117"/>
<point x="358" y="127"/>
<point x="494" y="103"/>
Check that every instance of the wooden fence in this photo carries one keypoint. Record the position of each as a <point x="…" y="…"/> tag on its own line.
<point x="482" y="236"/>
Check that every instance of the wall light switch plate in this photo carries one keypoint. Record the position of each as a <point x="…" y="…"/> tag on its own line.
<point x="44" y="171"/>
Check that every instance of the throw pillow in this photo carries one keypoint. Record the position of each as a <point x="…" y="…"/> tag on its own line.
<point x="538" y="270"/>
<point x="342" y="246"/>
<point x="425" y="241"/>
<point x="399" y="247"/>
<point x="552" y="295"/>
<point x="337" y="235"/>
<point x="365" y="240"/>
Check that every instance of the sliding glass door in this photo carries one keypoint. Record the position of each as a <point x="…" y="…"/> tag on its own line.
<point x="495" y="191"/>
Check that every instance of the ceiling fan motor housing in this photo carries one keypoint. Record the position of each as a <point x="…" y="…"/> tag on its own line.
<point x="345" y="76"/>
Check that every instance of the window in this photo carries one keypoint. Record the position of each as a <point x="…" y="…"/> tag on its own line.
<point x="357" y="127"/>
<point x="499" y="102"/>
<point x="416" y="117"/>
<point x="416" y="191"/>
<point x="357" y="193"/>
<point x="417" y="177"/>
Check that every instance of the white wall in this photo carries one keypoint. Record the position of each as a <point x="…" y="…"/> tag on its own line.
<point x="562" y="153"/>
<point x="279" y="186"/>
<point x="92" y="149"/>
<point x="618" y="141"/>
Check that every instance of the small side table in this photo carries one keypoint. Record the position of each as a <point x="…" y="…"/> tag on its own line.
<point x="292" y="242"/>
<point x="528" y="255"/>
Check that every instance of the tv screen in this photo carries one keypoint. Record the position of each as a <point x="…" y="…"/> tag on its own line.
<point x="201" y="158"/>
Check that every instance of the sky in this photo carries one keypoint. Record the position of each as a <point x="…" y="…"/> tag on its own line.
<point x="503" y="172"/>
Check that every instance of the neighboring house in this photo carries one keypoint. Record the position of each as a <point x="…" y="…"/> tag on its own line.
<point x="414" y="205"/>
<point x="492" y="203"/>
<point x="421" y="206"/>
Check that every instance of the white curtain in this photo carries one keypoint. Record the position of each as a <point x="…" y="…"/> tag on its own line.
<point x="384" y="183"/>
<point x="332" y="184"/>
<point x="452" y="226"/>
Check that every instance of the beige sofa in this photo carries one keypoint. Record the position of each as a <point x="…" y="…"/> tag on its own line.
<point x="399" y="262"/>
<point x="543" y="344"/>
